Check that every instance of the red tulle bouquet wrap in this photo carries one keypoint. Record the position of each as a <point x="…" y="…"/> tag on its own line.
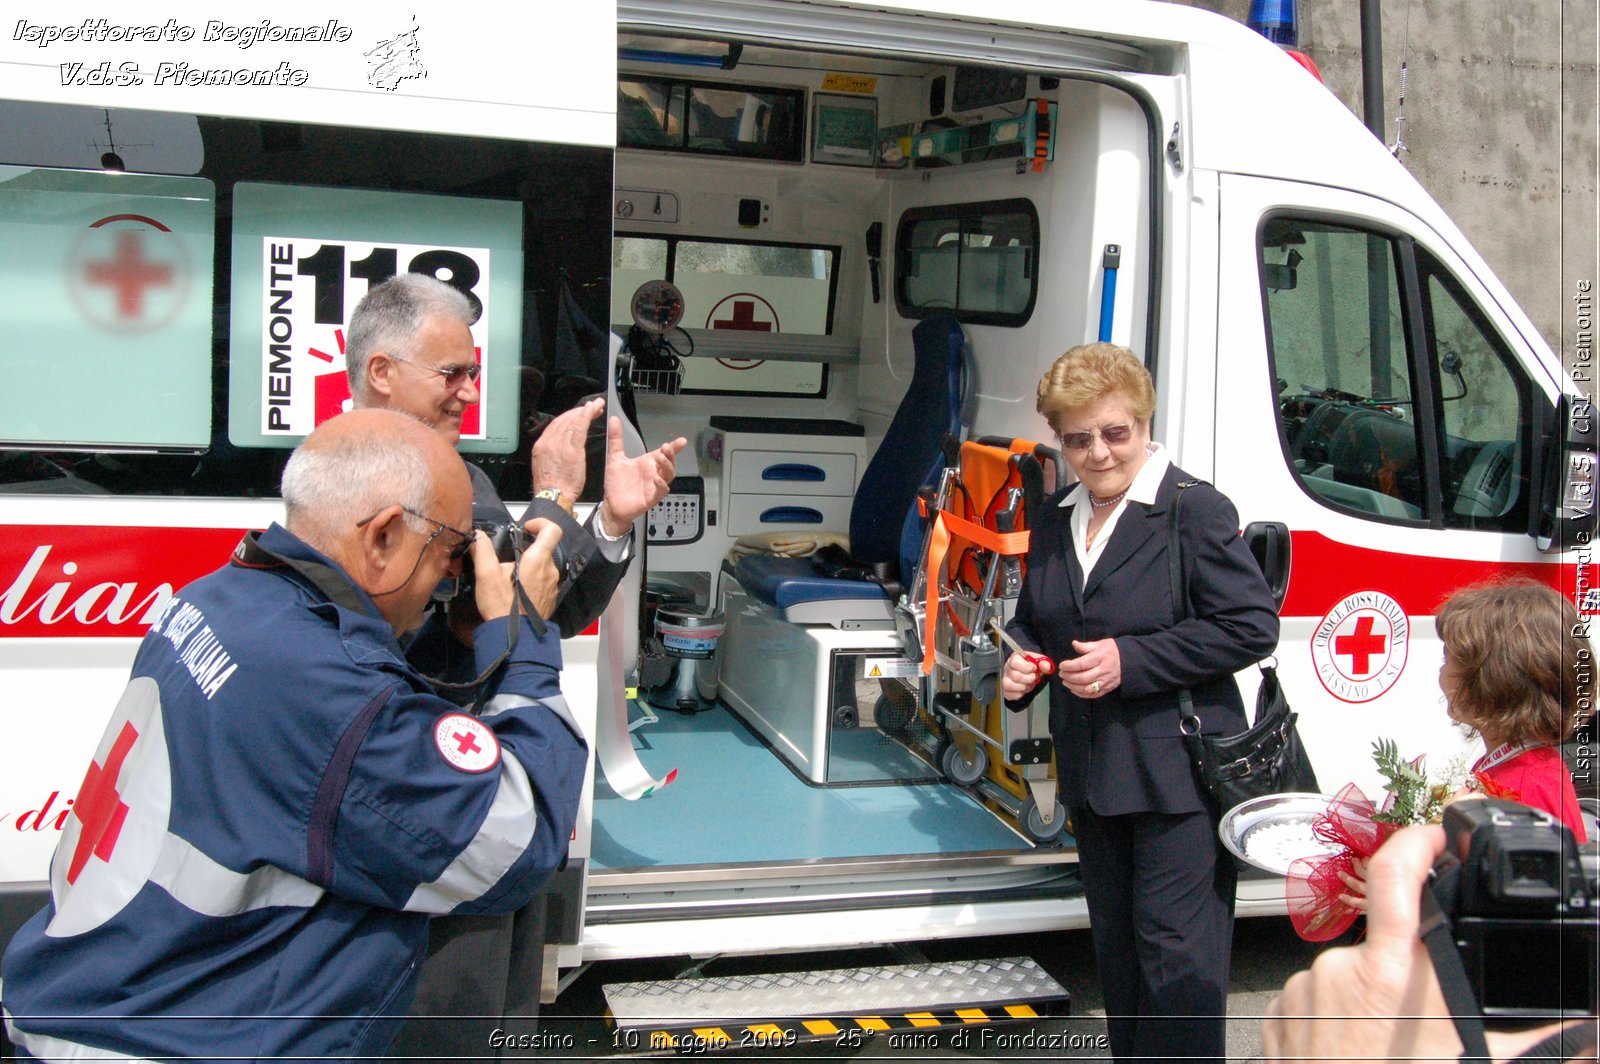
<point x="1314" y="884"/>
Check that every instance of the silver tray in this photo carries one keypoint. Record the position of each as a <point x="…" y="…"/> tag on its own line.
<point x="1280" y="827"/>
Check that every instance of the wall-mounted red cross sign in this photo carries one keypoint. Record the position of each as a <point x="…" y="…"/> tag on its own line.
<point x="744" y="317"/>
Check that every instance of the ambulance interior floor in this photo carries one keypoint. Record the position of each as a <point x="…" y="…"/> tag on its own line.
<point x="734" y="800"/>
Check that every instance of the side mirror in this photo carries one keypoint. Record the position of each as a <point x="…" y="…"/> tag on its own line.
<point x="1567" y="495"/>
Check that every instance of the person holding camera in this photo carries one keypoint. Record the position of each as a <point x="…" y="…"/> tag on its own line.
<point x="410" y="349"/>
<point x="1097" y="598"/>
<point x="281" y="803"/>
<point x="1382" y="999"/>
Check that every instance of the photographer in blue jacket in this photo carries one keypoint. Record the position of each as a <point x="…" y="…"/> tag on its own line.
<point x="280" y="802"/>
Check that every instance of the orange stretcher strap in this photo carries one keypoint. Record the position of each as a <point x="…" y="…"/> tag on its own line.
<point x="938" y="547"/>
<point x="1007" y="543"/>
<point x="944" y="523"/>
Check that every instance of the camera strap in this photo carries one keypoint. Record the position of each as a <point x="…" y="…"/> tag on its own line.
<point x="1453" y="981"/>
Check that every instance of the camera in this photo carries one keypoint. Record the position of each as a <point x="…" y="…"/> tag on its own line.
<point x="508" y="539"/>
<point x="1521" y="908"/>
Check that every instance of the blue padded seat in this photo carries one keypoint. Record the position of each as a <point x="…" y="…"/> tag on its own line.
<point x="908" y="457"/>
<point x="787" y="582"/>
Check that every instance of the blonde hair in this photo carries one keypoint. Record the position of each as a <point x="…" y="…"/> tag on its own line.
<point x="1090" y="372"/>
<point x="1518" y="648"/>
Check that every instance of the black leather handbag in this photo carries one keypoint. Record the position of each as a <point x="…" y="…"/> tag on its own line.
<point x="1267" y="757"/>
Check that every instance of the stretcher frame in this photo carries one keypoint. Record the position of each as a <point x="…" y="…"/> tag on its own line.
<point x="968" y="580"/>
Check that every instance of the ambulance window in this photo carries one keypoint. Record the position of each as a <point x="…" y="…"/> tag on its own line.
<point x="711" y="118"/>
<point x="170" y="324"/>
<point x="1485" y="412"/>
<point x="973" y="259"/>
<point x="735" y="286"/>
<point x="1337" y="336"/>
<point x="106" y="304"/>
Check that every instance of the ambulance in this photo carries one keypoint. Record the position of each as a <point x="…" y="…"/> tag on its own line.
<point x="733" y="216"/>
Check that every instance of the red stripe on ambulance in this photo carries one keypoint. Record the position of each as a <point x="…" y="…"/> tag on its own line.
<point x="1324" y="571"/>
<point x="76" y="581"/>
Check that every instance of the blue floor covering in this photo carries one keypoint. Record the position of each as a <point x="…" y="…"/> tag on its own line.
<point x="734" y="800"/>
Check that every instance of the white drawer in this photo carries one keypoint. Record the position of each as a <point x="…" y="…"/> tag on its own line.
<point x="791" y="472"/>
<point x="786" y="513"/>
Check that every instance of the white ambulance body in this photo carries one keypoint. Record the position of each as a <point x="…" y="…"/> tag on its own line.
<point x="1327" y="347"/>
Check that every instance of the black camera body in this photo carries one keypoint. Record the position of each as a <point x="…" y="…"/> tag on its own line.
<point x="509" y="539"/>
<point x="1522" y="910"/>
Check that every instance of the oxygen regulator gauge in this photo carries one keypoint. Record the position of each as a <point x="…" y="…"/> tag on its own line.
<point x="657" y="306"/>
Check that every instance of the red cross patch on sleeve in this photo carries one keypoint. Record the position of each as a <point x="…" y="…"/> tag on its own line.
<point x="466" y="743"/>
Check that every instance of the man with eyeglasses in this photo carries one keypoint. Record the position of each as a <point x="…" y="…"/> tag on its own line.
<point x="410" y="349"/>
<point x="281" y="802"/>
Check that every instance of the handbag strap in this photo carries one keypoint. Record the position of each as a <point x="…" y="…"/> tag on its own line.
<point x="1190" y="723"/>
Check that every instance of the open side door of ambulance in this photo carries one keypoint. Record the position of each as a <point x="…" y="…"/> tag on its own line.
<point x="1392" y="435"/>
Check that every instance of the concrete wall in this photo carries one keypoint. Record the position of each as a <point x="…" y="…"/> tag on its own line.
<point x="1500" y="123"/>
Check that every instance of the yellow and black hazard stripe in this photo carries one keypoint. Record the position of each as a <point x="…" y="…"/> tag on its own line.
<point x="778" y="1033"/>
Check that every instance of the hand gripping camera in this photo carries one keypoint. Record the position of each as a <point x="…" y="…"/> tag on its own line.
<point x="1521" y="909"/>
<point x="509" y="540"/>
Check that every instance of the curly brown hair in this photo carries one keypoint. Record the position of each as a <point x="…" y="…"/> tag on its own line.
<point x="1520" y="650"/>
<point x="1089" y="371"/>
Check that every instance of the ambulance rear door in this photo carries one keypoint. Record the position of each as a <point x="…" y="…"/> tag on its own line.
<point x="1384" y="413"/>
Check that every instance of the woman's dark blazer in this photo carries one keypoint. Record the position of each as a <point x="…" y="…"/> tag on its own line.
<point x="1122" y="752"/>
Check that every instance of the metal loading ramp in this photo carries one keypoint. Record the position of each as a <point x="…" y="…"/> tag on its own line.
<point x="770" y="1010"/>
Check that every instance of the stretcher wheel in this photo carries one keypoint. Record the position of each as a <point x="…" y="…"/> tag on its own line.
<point x="962" y="770"/>
<point x="1033" y="825"/>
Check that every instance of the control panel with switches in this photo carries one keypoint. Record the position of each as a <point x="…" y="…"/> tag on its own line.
<point x="680" y="517"/>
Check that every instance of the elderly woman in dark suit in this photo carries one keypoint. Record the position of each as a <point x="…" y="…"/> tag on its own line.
<point x="1097" y="599"/>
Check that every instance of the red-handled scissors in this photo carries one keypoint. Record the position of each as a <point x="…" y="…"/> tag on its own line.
<point x="1045" y="666"/>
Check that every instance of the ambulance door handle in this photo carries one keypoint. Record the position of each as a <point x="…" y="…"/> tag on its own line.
<point x="1269" y="542"/>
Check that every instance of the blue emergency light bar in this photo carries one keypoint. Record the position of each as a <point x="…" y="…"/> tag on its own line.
<point x="1276" y="20"/>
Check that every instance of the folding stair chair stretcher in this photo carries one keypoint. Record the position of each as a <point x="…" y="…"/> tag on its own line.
<point x="965" y="590"/>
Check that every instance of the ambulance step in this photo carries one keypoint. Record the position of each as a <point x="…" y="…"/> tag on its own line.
<point x="848" y="1005"/>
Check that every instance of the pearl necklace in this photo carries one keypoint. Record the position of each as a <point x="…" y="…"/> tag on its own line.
<point x="1101" y="504"/>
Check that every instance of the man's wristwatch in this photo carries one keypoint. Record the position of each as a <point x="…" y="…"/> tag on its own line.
<point x="554" y="495"/>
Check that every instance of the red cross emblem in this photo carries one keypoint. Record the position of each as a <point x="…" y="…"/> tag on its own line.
<point x="466" y="743"/>
<point x="749" y="313"/>
<point x="100" y="807"/>
<point x="744" y="317"/>
<point x="129" y="272"/>
<point x="1361" y="645"/>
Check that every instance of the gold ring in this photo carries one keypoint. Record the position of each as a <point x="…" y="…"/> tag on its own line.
<point x="1095" y="687"/>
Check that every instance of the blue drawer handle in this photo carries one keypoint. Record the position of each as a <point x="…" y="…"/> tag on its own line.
<point x="791" y="515"/>
<point x="793" y="471"/>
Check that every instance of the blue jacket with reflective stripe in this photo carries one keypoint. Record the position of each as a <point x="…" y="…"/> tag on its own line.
<point x="279" y="804"/>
